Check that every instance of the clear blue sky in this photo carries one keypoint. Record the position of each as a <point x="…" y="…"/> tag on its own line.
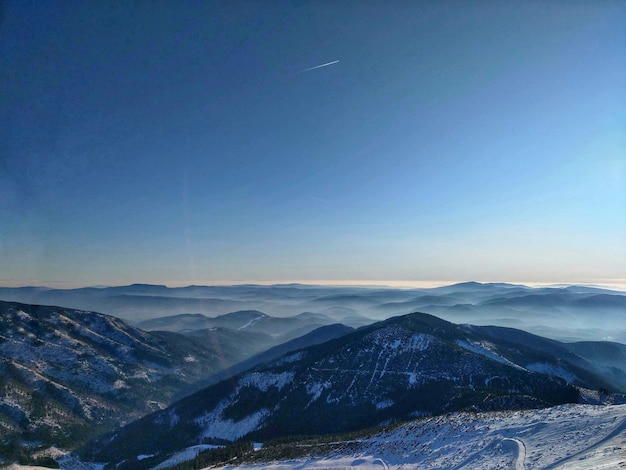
<point x="185" y="142"/>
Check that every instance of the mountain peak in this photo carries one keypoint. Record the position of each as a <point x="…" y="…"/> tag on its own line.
<point x="418" y="321"/>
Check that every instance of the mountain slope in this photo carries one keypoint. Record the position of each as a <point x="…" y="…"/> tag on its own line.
<point x="586" y="364"/>
<point x="318" y="336"/>
<point x="608" y="358"/>
<point x="66" y="374"/>
<point x="277" y="329"/>
<point x="596" y="438"/>
<point x="406" y="366"/>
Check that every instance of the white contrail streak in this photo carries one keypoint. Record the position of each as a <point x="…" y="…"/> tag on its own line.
<point x="320" y="66"/>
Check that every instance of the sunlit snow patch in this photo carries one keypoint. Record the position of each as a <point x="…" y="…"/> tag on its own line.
<point x="215" y="427"/>
<point x="189" y="453"/>
<point x="551" y="369"/>
<point x="252" y="322"/>
<point x="264" y="380"/>
<point x="487" y="350"/>
<point x="381" y="405"/>
<point x="399" y="339"/>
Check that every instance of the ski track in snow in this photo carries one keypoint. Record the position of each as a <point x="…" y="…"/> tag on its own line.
<point x="563" y="437"/>
<point x="521" y="452"/>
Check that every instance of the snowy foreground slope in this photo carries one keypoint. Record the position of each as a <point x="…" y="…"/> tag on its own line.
<point x="562" y="437"/>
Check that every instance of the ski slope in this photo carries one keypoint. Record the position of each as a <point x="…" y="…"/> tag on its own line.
<point x="563" y="437"/>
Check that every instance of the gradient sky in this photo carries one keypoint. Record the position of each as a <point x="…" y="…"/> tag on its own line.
<point x="185" y="142"/>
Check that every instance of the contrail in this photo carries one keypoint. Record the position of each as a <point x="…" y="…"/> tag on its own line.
<point x="320" y="66"/>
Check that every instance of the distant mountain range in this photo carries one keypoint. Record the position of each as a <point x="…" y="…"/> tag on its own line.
<point x="403" y="367"/>
<point x="244" y="320"/>
<point x="570" y="313"/>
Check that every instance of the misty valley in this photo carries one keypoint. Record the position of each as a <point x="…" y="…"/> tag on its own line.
<point x="468" y="375"/>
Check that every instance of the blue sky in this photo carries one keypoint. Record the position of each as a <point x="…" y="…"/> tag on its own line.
<point x="452" y="141"/>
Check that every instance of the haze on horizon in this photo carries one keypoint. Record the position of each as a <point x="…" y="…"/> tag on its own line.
<point x="441" y="142"/>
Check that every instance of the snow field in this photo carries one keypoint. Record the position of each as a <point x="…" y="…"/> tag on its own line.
<point x="564" y="437"/>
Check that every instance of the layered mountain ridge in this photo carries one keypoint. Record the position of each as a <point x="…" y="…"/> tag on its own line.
<point x="408" y="366"/>
<point x="566" y="313"/>
<point x="68" y="374"/>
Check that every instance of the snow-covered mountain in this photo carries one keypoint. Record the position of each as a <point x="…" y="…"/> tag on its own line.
<point x="408" y="366"/>
<point x="67" y="374"/>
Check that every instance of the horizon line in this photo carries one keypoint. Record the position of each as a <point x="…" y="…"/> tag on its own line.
<point x="611" y="284"/>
